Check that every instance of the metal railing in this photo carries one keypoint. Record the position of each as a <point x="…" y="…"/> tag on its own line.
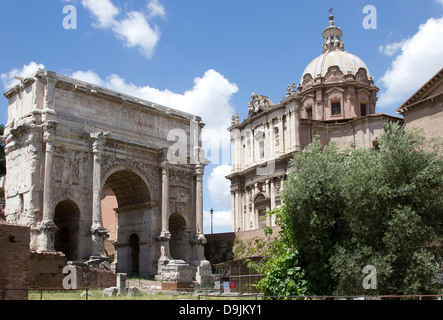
<point x="205" y="294"/>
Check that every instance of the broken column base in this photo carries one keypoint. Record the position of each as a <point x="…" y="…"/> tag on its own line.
<point x="204" y="275"/>
<point x="177" y="275"/>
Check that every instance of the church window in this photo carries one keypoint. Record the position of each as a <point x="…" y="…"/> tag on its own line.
<point x="335" y="108"/>
<point x="262" y="149"/>
<point x="277" y="137"/>
<point x="363" y="109"/>
<point x="309" y="113"/>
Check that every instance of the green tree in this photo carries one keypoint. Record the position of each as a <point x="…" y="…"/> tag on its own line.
<point x="345" y="210"/>
<point x="280" y="265"/>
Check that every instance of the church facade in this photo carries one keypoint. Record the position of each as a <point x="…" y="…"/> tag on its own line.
<point x="335" y="100"/>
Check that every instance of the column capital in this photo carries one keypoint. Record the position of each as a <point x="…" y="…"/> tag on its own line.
<point x="47" y="225"/>
<point x="199" y="170"/>
<point x="164" y="236"/>
<point x="98" y="139"/>
<point x="50" y="125"/>
<point x="99" y="135"/>
<point x="49" y="128"/>
<point x="165" y="167"/>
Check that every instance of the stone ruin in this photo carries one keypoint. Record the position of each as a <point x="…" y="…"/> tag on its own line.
<point x="67" y="140"/>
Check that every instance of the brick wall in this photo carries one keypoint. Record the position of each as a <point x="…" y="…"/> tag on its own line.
<point x="14" y="262"/>
<point x="46" y="272"/>
<point x="94" y="278"/>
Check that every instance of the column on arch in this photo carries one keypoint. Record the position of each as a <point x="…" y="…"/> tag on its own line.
<point x="98" y="232"/>
<point x="47" y="227"/>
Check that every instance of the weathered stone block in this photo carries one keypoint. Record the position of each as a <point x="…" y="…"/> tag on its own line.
<point x="134" y="292"/>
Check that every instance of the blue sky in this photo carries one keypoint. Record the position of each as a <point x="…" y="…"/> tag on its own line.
<point x="207" y="57"/>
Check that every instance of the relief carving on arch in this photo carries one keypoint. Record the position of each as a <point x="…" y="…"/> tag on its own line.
<point x="180" y="192"/>
<point x="70" y="167"/>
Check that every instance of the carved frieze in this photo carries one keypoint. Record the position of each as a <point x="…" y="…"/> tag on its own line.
<point x="70" y="166"/>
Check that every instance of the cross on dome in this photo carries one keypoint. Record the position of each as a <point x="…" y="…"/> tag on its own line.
<point x="332" y="36"/>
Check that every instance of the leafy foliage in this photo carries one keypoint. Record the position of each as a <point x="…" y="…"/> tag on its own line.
<point x="281" y="266"/>
<point x="346" y="210"/>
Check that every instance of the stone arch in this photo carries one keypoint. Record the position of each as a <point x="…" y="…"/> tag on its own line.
<point x="134" y="254"/>
<point x="67" y="219"/>
<point x="133" y="218"/>
<point x="129" y="186"/>
<point x="111" y="172"/>
<point x="179" y="236"/>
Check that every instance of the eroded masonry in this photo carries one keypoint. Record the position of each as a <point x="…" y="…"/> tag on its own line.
<point x="66" y="141"/>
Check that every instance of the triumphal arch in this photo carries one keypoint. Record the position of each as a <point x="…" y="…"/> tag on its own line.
<point x="67" y="140"/>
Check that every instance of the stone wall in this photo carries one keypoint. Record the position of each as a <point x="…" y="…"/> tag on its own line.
<point x="219" y="247"/>
<point x="223" y="247"/>
<point x="428" y="116"/>
<point x="14" y="262"/>
<point x="46" y="272"/>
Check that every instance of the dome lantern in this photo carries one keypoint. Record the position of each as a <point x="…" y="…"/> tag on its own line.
<point x="332" y="36"/>
<point x="334" y="54"/>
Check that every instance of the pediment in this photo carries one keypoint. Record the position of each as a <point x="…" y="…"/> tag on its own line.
<point x="308" y="81"/>
<point x="260" y="197"/>
<point x="308" y="98"/>
<point x="334" y="74"/>
<point x="362" y="76"/>
<point x="432" y="88"/>
<point x="335" y="90"/>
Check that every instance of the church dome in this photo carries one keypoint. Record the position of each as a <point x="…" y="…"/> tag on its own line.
<point x="334" y="55"/>
<point x="347" y="62"/>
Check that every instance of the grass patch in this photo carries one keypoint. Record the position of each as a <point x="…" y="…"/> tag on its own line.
<point x="98" y="295"/>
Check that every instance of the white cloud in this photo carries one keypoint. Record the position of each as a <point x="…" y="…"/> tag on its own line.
<point x="89" y="77"/>
<point x="134" y="29"/>
<point x="8" y="78"/>
<point x="420" y="57"/>
<point x="221" y="221"/>
<point x="392" y="48"/>
<point x="219" y="186"/>
<point x="156" y="9"/>
<point x="103" y="10"/>
<point x="136" y="32"/>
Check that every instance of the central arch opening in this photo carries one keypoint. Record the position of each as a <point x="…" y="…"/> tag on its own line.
<point x="128" y="188"/>
<point x="66" y="218"/>
<point x="125" y="212"/>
